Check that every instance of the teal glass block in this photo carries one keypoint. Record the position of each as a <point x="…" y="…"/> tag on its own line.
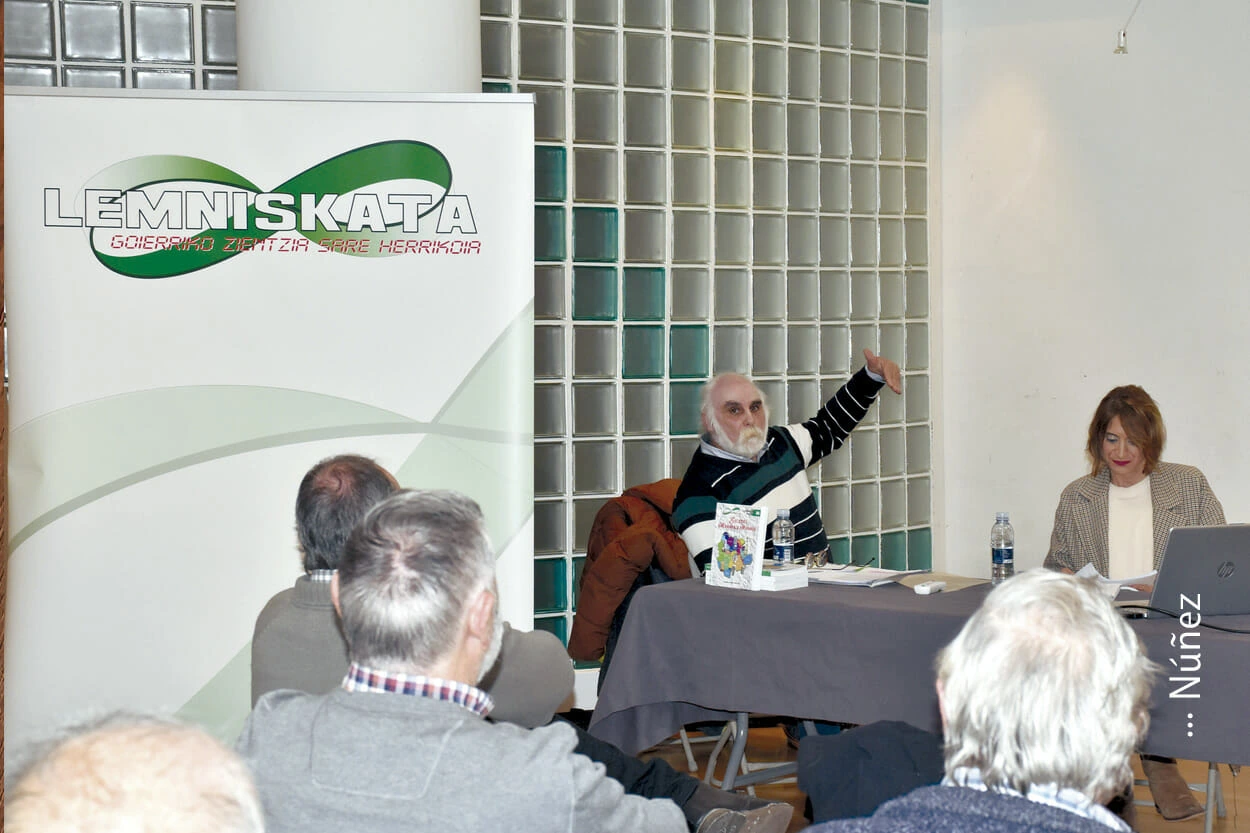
<point x="688" y="352"/>
<point x="595" y="235"/>
<point x="496" y="87"/>
<point x="551" y="173"/>
<point x="579" y="566"/>
<point x="583" y="665"/>
<point x="894" y="550"/>
<point x="920" y="549"/>
<point x="549" y="232"/>
<point x="550" y="585"/>
<point x="557" y="625"/>
<point x="865" y="550"/>
<point x="839" y="550"/>
<point x="642" y="352"/>
<point x="920" y="2"/>
<point x="594" y="293"/>
<point x="683" y="408"/>
<point x="644" y="294"/>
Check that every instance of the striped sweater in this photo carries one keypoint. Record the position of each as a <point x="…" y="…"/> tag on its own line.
<point x="777" y="480"/>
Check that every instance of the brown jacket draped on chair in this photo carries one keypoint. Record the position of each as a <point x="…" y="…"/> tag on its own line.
<point x="629" y="532"/>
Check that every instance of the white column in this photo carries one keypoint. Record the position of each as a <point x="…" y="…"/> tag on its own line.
<point x="360" y="46"/>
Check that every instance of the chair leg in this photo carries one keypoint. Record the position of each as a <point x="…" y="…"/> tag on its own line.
<point x="685" y="745"/>
<point x="738" y="771"/>
<point x="725" y="734"/>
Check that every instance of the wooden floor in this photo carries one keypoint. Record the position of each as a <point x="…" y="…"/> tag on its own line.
<point x="769" y="745"/>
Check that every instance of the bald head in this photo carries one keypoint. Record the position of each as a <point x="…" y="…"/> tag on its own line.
<point x="735" y="414"/>
<point x="334" y="496"/>
<point x="132" y="774"/>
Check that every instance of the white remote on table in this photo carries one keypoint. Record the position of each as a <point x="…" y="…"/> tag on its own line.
<point x="926" y="588"/>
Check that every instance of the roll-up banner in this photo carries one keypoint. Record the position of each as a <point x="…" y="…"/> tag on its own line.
<point x="207" y="295"/>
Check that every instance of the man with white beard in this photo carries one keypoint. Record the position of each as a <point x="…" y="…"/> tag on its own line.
<point x="403" y="744"/>
<point x="743" y="460"/>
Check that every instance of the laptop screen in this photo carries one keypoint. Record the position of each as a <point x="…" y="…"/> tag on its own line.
<point x="1205" y="570"/>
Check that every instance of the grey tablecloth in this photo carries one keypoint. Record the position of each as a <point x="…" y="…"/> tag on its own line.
<point x="689" y="653"/>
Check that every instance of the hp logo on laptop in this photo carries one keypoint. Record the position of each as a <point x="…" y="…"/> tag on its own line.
<point x="1226" y="569"/>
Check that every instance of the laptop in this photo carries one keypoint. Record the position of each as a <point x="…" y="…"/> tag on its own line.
<point x="1205" y="570"/>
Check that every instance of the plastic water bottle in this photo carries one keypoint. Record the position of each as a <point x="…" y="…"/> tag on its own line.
<point x="1002" y="550"/>
<point x="783" y="538"/>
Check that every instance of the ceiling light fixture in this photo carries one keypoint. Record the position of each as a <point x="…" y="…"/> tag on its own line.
<point x="1121" y="44"/>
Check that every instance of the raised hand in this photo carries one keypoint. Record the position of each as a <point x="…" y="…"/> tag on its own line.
<point x="886" y="369"/>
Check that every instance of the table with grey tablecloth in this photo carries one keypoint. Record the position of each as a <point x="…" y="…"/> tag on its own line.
<point x="690" y="653"/>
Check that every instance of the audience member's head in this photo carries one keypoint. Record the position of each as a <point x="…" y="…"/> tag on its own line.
<point x="333" y="497"/>
<point x="415" y="587"/>
<point x="1045" y="684"/>
<point x="735" y="414"/>
<point x="133" y="774"/>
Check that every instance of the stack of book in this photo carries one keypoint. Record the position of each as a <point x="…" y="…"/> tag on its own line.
<point x="783" y="577"/>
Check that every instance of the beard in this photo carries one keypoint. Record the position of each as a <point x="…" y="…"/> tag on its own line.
<point x="492" y="653"/>
<point x="750" y="440"/>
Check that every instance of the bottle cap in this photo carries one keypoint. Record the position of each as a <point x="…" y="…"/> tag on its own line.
<point x="1002" y="517"/>
<point x="783" y="513"/>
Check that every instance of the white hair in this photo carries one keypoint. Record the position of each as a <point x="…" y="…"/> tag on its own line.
<point x="1046" y="684"/>
<point x="128" y="772"/>
<point x="711" y="419"/>
<point x="408" y="571"/>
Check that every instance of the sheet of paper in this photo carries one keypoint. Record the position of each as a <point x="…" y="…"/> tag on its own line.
<point x="1111" y="587"/>
<point x="856" y="576"/>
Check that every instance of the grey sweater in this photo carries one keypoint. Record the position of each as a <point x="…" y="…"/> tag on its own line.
<point x="392" y="762"/>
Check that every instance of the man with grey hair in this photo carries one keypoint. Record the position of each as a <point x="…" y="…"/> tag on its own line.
<point x="1044" y="694"/>
<point x="742" y="460"/>
<point x="403" y="744"/>
<point x="131" y="773"/>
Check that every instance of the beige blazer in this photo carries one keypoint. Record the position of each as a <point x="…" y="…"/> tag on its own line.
<point x="1179" y="496"/>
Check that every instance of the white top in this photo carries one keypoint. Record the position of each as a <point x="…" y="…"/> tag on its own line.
<point x="1130" y="530"/>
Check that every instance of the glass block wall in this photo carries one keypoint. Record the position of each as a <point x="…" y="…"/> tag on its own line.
<point x="720" y="185"/>
<point x="116" y="43"/>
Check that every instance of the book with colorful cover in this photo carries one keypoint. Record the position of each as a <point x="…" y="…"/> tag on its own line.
<point x="738" y="557"/>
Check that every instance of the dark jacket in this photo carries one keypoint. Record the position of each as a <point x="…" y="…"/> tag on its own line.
<point x="852" y="773"/>
<point x="629" y="534"/>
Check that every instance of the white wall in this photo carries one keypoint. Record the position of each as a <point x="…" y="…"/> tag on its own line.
<point x="1093" y="213"/>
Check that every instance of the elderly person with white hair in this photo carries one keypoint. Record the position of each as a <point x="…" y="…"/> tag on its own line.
<point x="126" y="773"/>
<point x="1044" y="696"/>
<point x="743" y="460"/>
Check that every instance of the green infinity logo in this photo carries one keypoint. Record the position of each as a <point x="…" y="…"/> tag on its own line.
<point x="188" y="214"/>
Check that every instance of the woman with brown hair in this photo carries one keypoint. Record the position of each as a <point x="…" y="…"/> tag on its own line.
<point x="1118" y="517"/>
